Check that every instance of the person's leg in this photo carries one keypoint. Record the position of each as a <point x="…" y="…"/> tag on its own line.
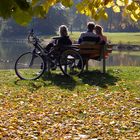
<point x="84" y="62"/>
<point x="49" y="46"/>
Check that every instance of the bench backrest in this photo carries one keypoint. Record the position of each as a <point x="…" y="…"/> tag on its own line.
<point x="93" y="50"/>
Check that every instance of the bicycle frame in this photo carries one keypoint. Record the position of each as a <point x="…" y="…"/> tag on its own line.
<point x="46" y="55"/>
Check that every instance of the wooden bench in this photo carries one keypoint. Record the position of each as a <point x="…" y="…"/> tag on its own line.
<point x="90" y="50"/>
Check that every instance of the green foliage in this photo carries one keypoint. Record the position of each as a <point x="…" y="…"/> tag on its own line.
<point x="93" y="106"/>
<point x="6" y="8"/>
<point x="23" y="4"/>
<point x="26" y="17"/>
<point x="46" y="26"/>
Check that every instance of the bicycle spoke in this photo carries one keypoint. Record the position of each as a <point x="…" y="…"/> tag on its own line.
<point x="71" y="63"/>
<point x="29" y="66"/>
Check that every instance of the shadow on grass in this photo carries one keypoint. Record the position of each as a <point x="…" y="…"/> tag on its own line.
<point x="48" y="79"/>
<point x="92" y="78"/>
<point x="60" y="80"/>
<point x="98" y="79"/>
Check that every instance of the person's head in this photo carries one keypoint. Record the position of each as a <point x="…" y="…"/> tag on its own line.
<point x="63" y="30"/>
<point x="90" y="26"/>
<point x="98" y="30"/>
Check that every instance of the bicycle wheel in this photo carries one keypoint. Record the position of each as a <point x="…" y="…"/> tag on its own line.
<point x="29" y="66"/>
<point x="71" y="63"/>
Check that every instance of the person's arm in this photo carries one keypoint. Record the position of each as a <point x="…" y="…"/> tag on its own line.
<point x="80" y="38"/>
<point x="70" y="42"/>
<point x="103" y="40"/>
<point x="64" y="41"/>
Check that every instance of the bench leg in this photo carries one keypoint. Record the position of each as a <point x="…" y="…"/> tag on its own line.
<point x="86" y="64"/>
<point x="48" y="67"/>
<point x="104" y="65"/>
<point x="104" y="60"/>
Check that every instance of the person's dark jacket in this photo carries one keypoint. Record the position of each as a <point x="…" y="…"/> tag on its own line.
<point x="88" y="36"/>
<point x="59" y="41"/>
<point x="65" y="40"/>
<point x="91" y="39"/>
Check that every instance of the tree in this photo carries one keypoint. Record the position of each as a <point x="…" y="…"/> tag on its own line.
<point x="118" y="23"/>
<point x="23" y="10"/>
<point x="80" y="22"/>
<point x="77" y="21"/>
<point x="55" y="17"/>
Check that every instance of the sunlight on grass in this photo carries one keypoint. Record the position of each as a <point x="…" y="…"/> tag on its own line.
<point x="115" y="38"/>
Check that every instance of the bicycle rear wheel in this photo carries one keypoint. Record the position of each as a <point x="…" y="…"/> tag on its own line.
<point x="29" y="66"/>
<point x="71" y="63"/>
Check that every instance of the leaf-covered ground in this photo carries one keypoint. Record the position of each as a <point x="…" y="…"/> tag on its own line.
<point x="92" y="106"/>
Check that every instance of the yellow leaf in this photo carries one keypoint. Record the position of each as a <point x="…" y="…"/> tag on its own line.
<point x="135" y="15"/>
<point x="79" y="7"/>
<point x="125" y="13"/>
<point x="101" y="12"/>
<point x="82" y="11"/>
<point x="133" y="18"/>
<point x="105" y="16"/>
<point x="34" y="2"/>
<point x="96" y="17"/>
<point x="51" y="2"/>
<point x="67" y="3"/>
<point x="87" y="12"/>
<point x="116" y="9"/>
<point x="120" y="3"/>
<point x="137" y="11"/>
<point x="106" y="2"/>
<point x="46" y="6"/>
<point x="126" y="2"/>
<point x="97" y="3"/>
<point x="110" y="4"/>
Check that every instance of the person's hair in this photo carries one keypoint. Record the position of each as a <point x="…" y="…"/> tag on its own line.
<point x="63" y="30"/>
<point x="99" y="30"/>
<point x="90" y="26"/>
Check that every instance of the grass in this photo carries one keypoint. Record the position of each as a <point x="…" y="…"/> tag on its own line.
<point x="115" y="38"/>
<point x="130" y="53"/>
<point x="57" y="107"/>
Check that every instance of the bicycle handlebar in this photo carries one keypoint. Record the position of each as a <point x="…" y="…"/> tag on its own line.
<point x="32" y="38"/>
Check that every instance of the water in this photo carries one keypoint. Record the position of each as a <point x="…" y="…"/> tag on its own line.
<point x="120" y="59"/>
<point x="10" y="50"/>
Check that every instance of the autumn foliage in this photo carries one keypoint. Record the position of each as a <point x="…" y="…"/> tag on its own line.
<point x="90" y="107"/>
<point x="23" y="11"/>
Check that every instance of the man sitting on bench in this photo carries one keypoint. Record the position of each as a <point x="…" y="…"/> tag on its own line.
<point x="88" y="36"/>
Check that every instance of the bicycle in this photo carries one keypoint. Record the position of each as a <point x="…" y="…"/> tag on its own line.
<point x="31" y="65"/>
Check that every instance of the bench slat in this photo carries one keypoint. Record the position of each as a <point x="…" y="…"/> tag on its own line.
<point x="89" y="52"/>
<point x="89" y="46"/>
<point x="85" y="51"/>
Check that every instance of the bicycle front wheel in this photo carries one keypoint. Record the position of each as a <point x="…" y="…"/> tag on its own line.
<point x="71" y="63"/>
<point x="29" y="66"/>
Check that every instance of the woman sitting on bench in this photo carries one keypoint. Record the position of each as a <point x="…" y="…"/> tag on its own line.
<point x="58" y="42"/>
<point x="61" y="40"/>
<point x="99" y="32"/>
